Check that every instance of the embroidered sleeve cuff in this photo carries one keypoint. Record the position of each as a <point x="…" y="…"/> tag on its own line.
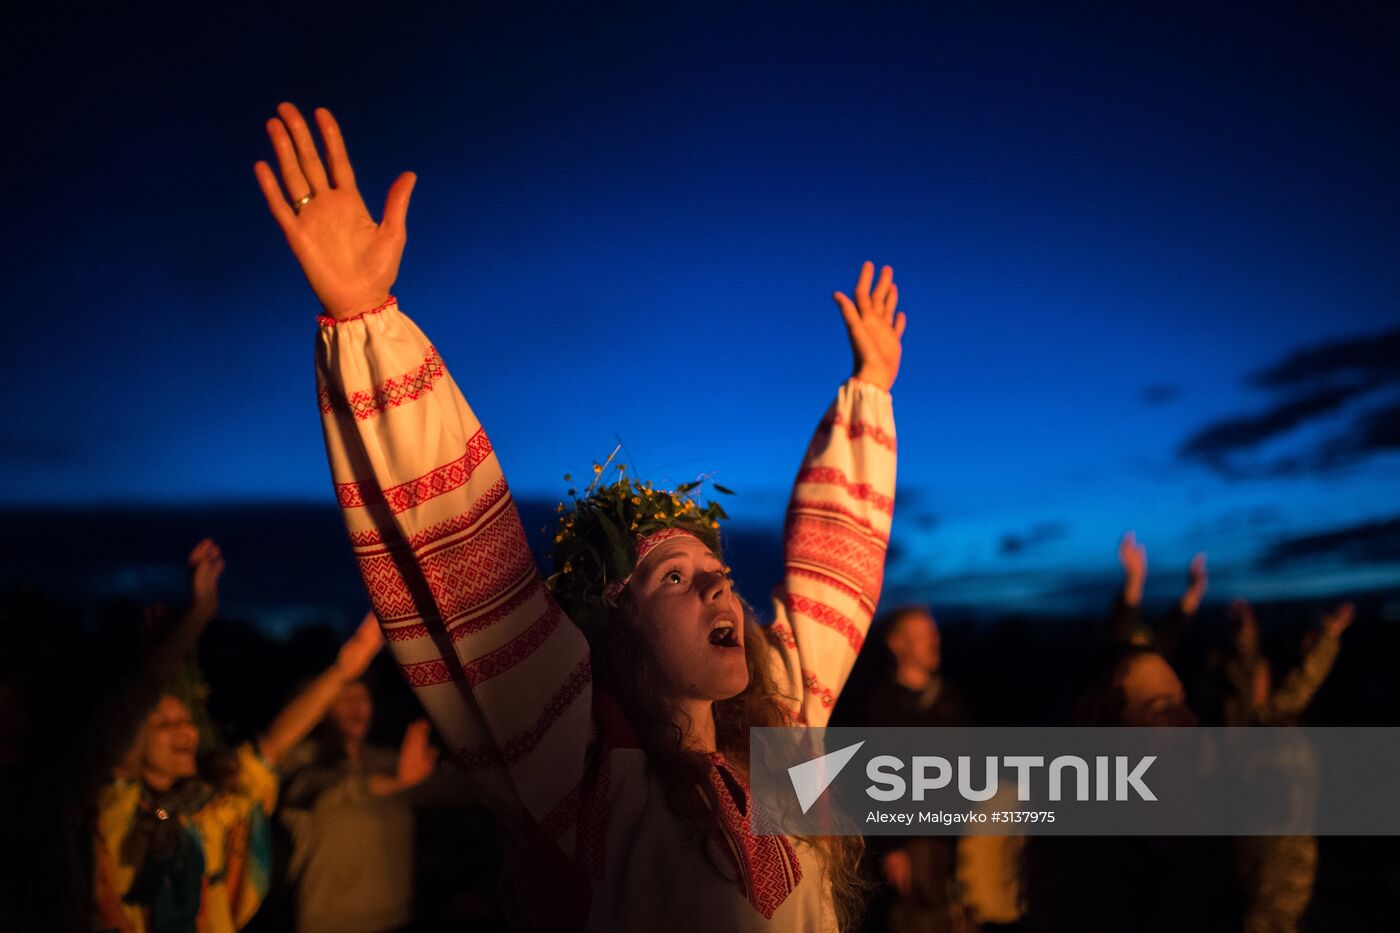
<point x="857" y="383"/>
<point x="326" y="320"/>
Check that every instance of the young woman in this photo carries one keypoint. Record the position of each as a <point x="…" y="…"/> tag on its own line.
<point x="604" y="713"/>
<point x="176" y="854"/>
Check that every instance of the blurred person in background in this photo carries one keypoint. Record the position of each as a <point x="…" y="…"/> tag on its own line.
<point x="1277" y="872"/>
<point x="1140" y="883"/>
<point x="349" y="807"/>
<point x="59" y="746"/>
<point x="919" y="872"/>
<point x="1126" y="623"/>
<point x="179" y="854"/>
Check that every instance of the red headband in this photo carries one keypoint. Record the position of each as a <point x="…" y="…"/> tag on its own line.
<point x="645" y="545"/>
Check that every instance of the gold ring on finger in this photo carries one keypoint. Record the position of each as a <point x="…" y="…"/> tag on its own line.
<point x="302" y="201"/>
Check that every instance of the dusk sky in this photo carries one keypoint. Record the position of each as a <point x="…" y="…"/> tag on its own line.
<point x="1149" y="262"/>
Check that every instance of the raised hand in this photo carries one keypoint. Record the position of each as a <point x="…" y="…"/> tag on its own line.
<point x="357" y="653"/>
<point x="417" y="756"/>
<point x="350" y="261"/>
<point x="1338" y="620"/>
<point x="1133" y="556"/>
<point x="206" y="564"/>
<point x="300" y="715"/>
<point x="1195" y="586"/>
<point x="874" y="326"/>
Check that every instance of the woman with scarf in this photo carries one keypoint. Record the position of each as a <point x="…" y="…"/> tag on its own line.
<point x="604" y="712"/>
<point x="177" y="854"/>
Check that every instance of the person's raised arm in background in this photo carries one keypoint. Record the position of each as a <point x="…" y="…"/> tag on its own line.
<point x="1125" y="622"/>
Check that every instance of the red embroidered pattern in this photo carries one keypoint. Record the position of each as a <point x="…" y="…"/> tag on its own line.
<point x="565" y="813"/>
<point x="783" y="634"/>
<point x="478" y="619"/>
<point x="491" y="560"/>
<point x="516" y="650"/>
<point x="426" y="673"/>
<point x="829" y="617"/>
<point x="649" y="543"/>
<point x="858" y="429"/>
<point x="402" y="632"/>
<point x="430" y="485"/>
<point x="837" y="549"/>
<point x="492" y="755"/>
<point x="444" y="529"/>
<point x="833" y="583"/>
<point x="592" y="841"/>
<point x="469" y="624"/>
<point x="388" y="594"/>
<point x="862" y="491"/>
<point x="812" y="505"/>
<point x="393" y="392"/>
<point x="459" y="576"/>
<point x="328" y="321"/>
<point x="767" y="866"/>
<point x="817" y="689"/>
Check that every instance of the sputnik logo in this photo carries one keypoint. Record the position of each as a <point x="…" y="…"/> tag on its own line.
<point x="811" y="778"/>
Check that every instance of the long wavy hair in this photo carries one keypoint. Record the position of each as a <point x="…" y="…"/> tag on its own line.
<point x="625" y="666"/>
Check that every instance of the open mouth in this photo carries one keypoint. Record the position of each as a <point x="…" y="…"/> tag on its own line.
<point x="725" y="634"/>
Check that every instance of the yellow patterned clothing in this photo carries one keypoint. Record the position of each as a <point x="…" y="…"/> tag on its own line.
<point x="230" y="830"/>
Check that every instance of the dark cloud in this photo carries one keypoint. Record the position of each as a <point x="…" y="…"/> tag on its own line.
<point x="1380" y="430"/>
<point x="1309" y="385"/>
<point x="1216" y="444"/>
<point x="1161" y="394"/>
<point x="1040" y="534"/>
<point x="1366" y="543"/>
<point x="907" y="497"/>
<point x="925" y="521"/>
<point x="1375" y="358"/>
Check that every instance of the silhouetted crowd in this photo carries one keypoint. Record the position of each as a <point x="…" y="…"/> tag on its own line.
<point x="172" y="771"/>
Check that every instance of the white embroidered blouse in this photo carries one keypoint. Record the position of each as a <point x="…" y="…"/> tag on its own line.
<point x="506" y="676"/>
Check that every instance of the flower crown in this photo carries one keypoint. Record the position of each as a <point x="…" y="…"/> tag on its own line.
<point x="610" y="528"/>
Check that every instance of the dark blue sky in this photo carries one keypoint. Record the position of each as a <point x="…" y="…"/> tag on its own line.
<point x="1148" y="258"/>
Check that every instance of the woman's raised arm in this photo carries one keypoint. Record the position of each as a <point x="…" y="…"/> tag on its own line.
<point x="838" y="519"/>
<point x="505" y="676"/>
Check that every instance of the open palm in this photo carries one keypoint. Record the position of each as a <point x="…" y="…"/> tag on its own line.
<point x="874" y="325"/>
<point x="350" y="261"/>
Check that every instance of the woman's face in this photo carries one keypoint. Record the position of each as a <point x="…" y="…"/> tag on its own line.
<point x="171" y="741"/>
<point x="1153" y="694"/>
<point x="688" y="614"/>
<point x="352" y="711"/>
